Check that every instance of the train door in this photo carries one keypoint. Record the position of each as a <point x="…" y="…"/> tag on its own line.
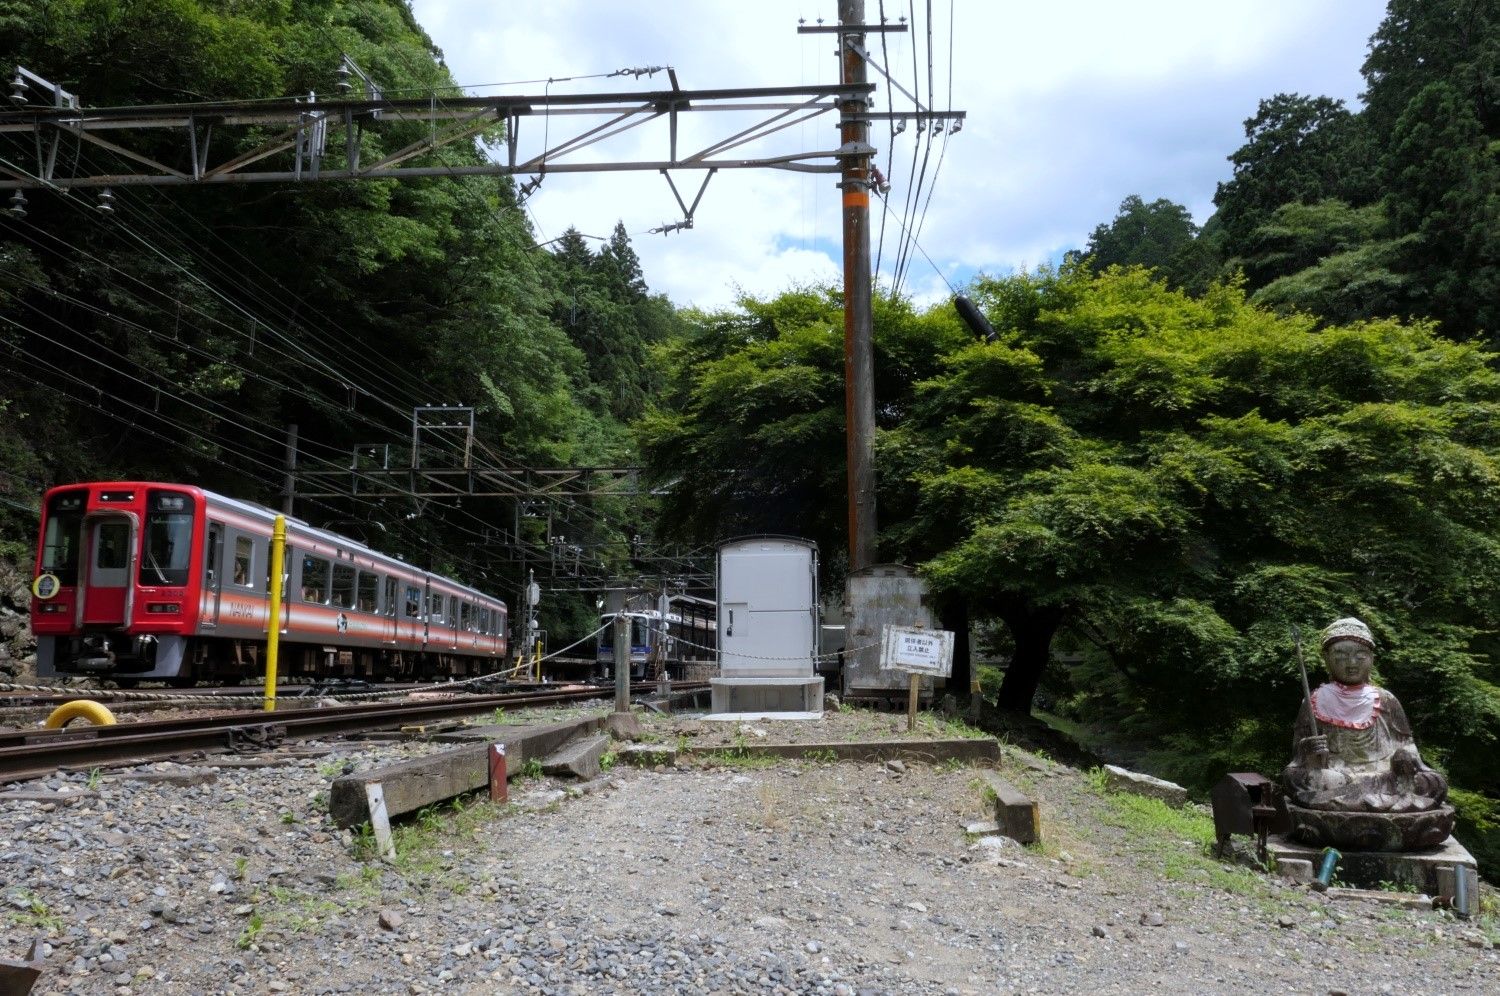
<point x="213" y="580"/>
<point x="426" y="611"/>
<point x="412" y="613"/>
<point x="112" y="541"/>
<point x="389" y="608"/>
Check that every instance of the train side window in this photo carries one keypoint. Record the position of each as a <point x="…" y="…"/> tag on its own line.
<point x="343" y="586"/>
<point x="465" y="611"/>
<point x="484" y="621"/>
<point x="435" y="607"/>
<point x="413" y="602"/>
<point x="390" y="596"/>
<point x="314" y="579"/>
<point x="244" y="561"/>
<point x="369" y="589"/>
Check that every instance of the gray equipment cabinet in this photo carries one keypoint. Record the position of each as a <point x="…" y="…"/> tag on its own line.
<point x="768" y="626"/>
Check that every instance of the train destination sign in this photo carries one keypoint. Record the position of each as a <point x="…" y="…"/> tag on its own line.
<point x="917" y="651"/>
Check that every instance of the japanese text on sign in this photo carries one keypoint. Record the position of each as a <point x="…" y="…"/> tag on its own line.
<point x="919" y="651"/>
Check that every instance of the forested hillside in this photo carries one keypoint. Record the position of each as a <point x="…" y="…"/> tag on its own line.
<point x="177" y="336"/>
<point x="1390" y="210"/>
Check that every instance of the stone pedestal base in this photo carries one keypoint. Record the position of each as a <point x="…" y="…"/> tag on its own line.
<point x="757" y="695"/>
<point x="1428" y="871"/>
<point x="1359" y="831"/>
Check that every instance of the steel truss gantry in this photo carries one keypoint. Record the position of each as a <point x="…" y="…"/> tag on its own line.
<point x="220" y="142"/>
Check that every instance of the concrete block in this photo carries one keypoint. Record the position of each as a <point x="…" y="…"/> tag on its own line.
<point x="623" y="725"/>
<point x="198" y="776"/>
<point x="18" y="976"/>
<point x="409" y="785"/>
<point x="931" y="751"/>
<point x="47" y="795"/>
<point x="646" y="755"/>
<point x="579" y="759"/>
<point x="1296" y="869"/>
<point x="1424" y="871"/>
<point x="1118" y="779"/>
<point x="766" y="694"/>
<point x="1018" y="817"/>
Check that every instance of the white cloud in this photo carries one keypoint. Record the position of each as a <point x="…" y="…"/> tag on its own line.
<point x="1071" y="107"/>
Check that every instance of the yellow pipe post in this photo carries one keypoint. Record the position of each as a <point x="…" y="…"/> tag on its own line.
<point x="536" y="662"/>
<point x="88" y="709"/>
<point x="273" y="624"/>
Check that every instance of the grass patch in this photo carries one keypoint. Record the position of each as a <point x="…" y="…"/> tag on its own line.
<point x="948" y="727"/>
<point x="1180" y="841"/>
<point x="251" y="933"/>
<point x="732" y="758"/>
<point x="37" y="914"/>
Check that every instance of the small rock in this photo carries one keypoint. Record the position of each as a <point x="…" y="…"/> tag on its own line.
<point x="1180" y="947"/>
<point x="914" y="905"/>
<point x="1153" y="919"/>
<point x="1100" y="931"/>
<point x="896" y="765"/>
<point x="1285" y="922"/>
<point x="390" y="920"/>
<point x="812" y="947"/>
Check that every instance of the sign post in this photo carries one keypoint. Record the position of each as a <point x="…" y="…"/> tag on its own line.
<point x="918" y="652"/>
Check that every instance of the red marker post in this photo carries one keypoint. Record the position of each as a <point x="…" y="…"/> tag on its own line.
<point x="499" y="789"/>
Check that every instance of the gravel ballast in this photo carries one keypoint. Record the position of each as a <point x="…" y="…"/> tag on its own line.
<point x="718" y="876"/>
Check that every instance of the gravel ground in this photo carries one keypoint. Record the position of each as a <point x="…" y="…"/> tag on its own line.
<point x="744" y="877"/>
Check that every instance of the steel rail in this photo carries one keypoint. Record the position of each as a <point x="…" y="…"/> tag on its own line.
<point x="30" y="754"/>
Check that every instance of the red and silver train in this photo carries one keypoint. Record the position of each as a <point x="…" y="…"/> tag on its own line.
<point x="168" y="582"/>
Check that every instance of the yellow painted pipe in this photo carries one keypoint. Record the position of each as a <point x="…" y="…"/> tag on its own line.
<point x="87" y="709"/>
<point x="273" y="622"/>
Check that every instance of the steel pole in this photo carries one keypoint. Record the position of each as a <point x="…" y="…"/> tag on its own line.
<point x="275" y="596"/>
<point x="289" y="485"/>
<point x="859" y="344"/>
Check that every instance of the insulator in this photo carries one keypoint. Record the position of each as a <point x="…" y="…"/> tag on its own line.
<point x="18" y="205"/>
<point x="106" y="201"/>
<point x="18" y="90"/>
<point x="343" y="84"/>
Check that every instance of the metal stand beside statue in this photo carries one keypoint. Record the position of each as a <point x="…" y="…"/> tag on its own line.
<point x="1356" y="781"/>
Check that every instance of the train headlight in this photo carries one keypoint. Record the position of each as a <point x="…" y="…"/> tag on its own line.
<point x="53" y="607"/>
<point x="163" y="608"/>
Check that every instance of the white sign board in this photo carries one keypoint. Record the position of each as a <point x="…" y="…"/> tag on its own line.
<point x="919" y="651"/>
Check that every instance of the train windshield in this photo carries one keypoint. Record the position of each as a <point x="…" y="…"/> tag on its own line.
<point x="168" y="548"/>
<point x="62" y="537"/>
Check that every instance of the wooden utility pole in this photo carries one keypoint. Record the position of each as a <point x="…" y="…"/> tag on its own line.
<point x="859" y="336"/>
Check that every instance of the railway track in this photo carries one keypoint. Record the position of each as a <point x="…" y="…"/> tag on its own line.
<point x="30" y="754"/>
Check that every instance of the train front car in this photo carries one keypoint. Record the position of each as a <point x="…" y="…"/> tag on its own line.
<point x="115" y="590"/>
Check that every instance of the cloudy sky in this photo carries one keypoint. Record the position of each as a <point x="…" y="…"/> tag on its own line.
<point x="1071" y="107"/>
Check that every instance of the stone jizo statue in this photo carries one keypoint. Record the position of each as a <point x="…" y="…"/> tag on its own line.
<point x="1356" y="781"/>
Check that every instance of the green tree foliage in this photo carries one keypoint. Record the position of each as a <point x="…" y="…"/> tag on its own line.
<point x="605" y="308"/>
<point x="1176" y="482"/>
<point x="748" y="434"/>
<point x="1444" y="179"/>
<point x="1298" y="149"/>
<point x="177" y="337"/>
<point x="1160" y="236"/>
<point x="1423" y="41"/>
<point x="1395" y="210"/>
